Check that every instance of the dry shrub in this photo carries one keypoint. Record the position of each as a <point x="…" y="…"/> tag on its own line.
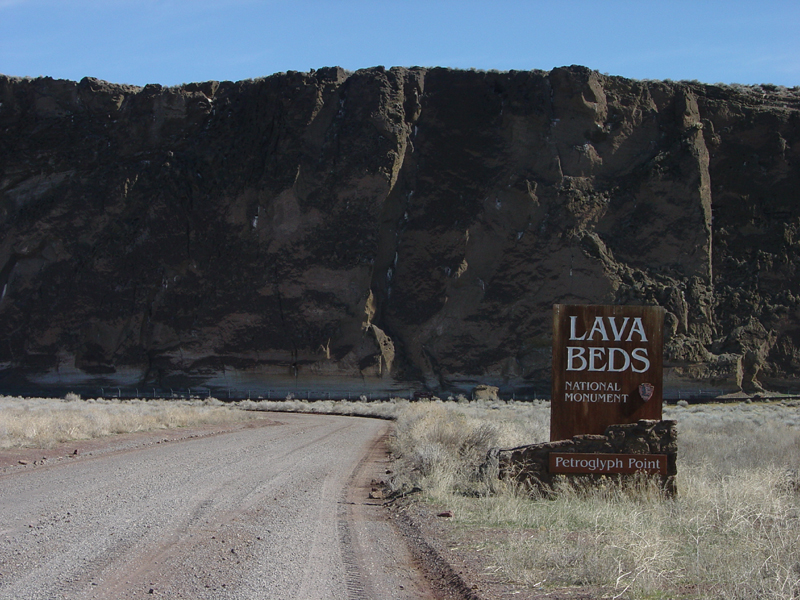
<point x="384" y="409"/>
<point x="436" y="446"/>
<point x="440" y="446"/>
<point x="733" y="437"/>
<point x="43" y="422"/>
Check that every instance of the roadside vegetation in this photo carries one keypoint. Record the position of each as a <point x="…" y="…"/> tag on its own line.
<point x="44" y="422"/>
<point x="733" y="531"/>
<point x="389" y="409"/>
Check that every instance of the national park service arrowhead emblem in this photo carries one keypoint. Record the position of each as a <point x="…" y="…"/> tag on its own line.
<point x="646" y="391"/>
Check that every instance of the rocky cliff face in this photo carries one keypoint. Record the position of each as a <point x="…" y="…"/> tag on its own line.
<point x="391" y="229"/>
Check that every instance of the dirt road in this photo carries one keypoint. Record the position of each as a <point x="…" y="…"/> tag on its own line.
<point x="278" y="510"/>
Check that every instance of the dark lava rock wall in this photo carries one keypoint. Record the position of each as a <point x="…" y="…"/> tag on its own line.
<point x="391" y="229"/>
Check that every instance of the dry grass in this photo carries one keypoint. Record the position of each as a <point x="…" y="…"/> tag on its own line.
<point x="381" y="409"/>
<point x="440" y="445"/>
<point x="43" y="422"/>
<point x="733" y="531"/>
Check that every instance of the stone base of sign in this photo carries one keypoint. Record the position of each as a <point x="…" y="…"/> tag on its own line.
<point x="530" y="464"/>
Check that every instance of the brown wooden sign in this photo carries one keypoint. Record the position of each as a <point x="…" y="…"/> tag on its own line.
<point x="607" y="367"/>
<point x="608" y="464"/>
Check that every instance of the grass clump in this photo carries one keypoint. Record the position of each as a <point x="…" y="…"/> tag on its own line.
<point x="441" y="445"/>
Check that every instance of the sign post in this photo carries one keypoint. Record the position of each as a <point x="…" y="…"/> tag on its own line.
<point x="607" y="367"/>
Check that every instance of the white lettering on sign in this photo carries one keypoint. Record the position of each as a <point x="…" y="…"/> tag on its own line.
<point x="599" y="331"/>
<point x="579" y="397"/>
<point x="606" y="359"/>
<point x="590" y="464"/>
<point x="636" y="463"/>
<point x="593" y="386"/>
<point x="603" y="463"/>
<point x="594" y="391"/>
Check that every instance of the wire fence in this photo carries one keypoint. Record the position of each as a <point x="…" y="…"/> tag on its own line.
<point x="236" y="394"/>
<point x="231" y="394"/>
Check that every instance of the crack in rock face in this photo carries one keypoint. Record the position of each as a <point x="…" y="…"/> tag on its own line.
<point x="389" y="230"/>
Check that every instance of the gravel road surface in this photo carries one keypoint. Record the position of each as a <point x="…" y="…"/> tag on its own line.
<point x="276" y="509"/>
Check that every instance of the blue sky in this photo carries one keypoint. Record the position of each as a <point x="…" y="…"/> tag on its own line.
<point x="179" y="41"/>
